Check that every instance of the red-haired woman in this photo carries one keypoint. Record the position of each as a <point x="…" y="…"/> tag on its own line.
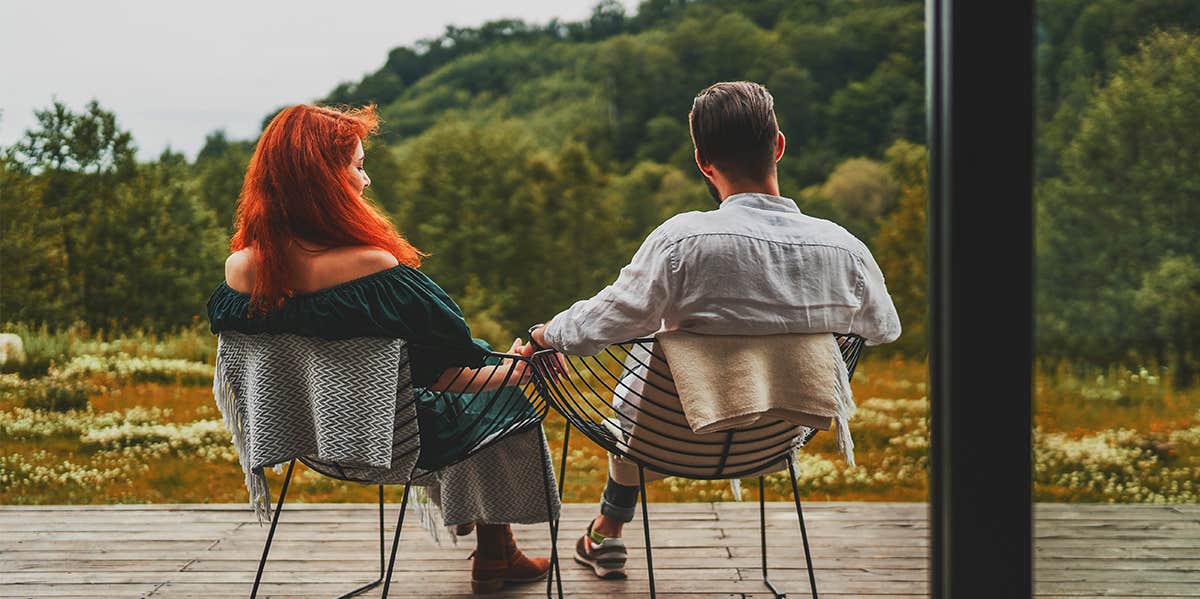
<point x="313" y="257"/>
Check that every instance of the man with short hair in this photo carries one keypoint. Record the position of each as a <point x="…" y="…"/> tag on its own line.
<point x="754" y="266"/>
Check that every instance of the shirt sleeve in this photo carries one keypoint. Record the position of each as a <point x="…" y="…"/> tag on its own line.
<point x="630" y="307"/>
<point x="876" y="320"/>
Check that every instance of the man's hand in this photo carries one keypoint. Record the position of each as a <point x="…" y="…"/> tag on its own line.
<point x="556" y="361"/>
<point x="537" y="334"/>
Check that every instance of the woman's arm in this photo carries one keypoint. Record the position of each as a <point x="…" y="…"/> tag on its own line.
<point x="508" y="373"/>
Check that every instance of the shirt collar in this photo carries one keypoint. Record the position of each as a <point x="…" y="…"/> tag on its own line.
<point x="761" y="201"/>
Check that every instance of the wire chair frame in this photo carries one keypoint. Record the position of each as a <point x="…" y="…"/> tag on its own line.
<point x="582" y="395"/>
<point x="516" y="406"/>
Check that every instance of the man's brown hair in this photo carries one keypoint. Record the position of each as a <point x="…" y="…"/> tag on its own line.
<point x="733" y="126"/>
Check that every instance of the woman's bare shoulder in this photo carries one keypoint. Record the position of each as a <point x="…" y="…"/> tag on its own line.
<point x="239" y="270"/>
<point x="366" y="259"/>
<point x="313" y="272"/>
<point x="340" y="265"/>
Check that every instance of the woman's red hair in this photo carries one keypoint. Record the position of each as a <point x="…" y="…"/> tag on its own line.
<point x="298" y="187"/>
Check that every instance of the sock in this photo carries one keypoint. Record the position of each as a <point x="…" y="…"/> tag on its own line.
<point x="597" y="538"/>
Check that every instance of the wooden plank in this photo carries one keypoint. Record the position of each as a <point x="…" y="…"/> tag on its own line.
<point x="701" y="550"/>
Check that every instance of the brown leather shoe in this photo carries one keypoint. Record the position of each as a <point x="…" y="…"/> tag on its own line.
<point x="489" y="574"/>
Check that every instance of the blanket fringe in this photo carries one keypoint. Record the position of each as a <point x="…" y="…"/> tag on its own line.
<point x="256" y="479"/>
<point x="845" y="406"/>
<point x="430" y="515"/>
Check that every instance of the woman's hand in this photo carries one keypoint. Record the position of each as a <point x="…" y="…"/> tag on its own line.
<point x="520" y="348"/>
<point x="522" y="371"/>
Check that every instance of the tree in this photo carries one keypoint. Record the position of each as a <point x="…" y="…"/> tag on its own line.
<point x="664" y="137"/>
<point x="472" y="199"/>
<point x="649" y="194"/>
<point x="863" y="191"/>
<point x="607" y="19"/>
<point x="34" y="279"/>
<point x="153" y="252"/>
<point x="1127" y="198"/>
<point x="1081" y="42"/>
<point x="866" y="115"/>
<point x="91" y="235"/>
<point x="900" y="246"/>
<point x="219" y="171"/>
<point x="622" y="67"/>
<point x="577" y="243"/>
<point x="78" y="161"/>
<point x="1170" y="301"/>
<point x="89" y="142"/>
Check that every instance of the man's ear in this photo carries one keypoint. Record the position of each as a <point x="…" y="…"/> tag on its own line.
<point x="780" y="143"/>
<point x="705" y="169"/>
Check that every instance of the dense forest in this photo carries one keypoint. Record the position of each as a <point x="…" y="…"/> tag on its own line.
<point x="530" y="160"/>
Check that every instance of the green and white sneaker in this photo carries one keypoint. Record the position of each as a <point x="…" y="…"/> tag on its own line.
<point x="604" y="555"/>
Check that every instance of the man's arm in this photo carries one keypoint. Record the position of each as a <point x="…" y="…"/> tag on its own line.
<point x="631" y="307"/>
<point x="876" y="320"/>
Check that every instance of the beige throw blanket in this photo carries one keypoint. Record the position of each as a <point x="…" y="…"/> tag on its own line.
<point x="732" y="381"/>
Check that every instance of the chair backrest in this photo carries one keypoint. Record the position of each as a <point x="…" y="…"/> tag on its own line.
<point x="646" y="424"/>
<point x="294" y="395"/>
<point x="456" y="424"/>
<point x="450" y="426"/>
<point x="348" y="409"/>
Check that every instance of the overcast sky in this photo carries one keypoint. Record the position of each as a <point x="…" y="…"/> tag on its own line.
<point x="173" y="71"/>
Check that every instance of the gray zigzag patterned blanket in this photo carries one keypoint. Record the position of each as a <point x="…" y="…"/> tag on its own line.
<point x="286" y="396"/>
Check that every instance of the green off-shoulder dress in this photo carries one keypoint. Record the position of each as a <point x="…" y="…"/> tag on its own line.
<point x="400" y="302"/>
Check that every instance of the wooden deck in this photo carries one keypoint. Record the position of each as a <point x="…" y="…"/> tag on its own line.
<point x="700" y="550"/>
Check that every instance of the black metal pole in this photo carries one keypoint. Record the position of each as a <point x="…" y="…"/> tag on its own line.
<point x="555" y="574"/>
<point x="562" y="470"/>
<point x="646" y="530"/>
<point x="381" y="538"/>
<point x="387" y="580"/>
<point x="378" y="581"/>
<point x="980" y="87"/>
<point x="812" y="577"/>
<point x="762" y="537"/>
<point x="262" y="562"/>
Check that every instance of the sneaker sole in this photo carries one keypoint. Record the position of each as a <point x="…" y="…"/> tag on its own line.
<point x="601" y="571"/>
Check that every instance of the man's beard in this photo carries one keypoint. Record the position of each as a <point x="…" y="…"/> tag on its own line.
<point x="712" y="190"/>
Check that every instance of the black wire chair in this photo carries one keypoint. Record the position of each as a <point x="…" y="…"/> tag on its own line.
<point x="648" y="429"/>
<point x="483" y="419"/>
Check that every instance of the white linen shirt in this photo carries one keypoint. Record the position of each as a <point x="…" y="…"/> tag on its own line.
<point x="754" y="266"/>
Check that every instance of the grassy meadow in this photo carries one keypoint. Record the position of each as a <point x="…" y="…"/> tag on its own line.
<point x="92" y="419"/>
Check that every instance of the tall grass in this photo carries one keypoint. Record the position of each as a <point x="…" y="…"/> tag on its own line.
<point x="45" y="347"/>
<point x="147" y="430"/>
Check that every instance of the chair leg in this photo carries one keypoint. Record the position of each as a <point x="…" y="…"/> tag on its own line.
<point x="646" y="530"/>
<point x="378" y="581"/>
<point x="554" y="525"/>
<point x="387" y="580"/>
<point x="262" y="562"/>
<point x="562" y="469"/>
<point x="555" y="575"/>
<point x="381" y="543"/>
<point x="812" y="579"/>
<point x="762" y="530"/>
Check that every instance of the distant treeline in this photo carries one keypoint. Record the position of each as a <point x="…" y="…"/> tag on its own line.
<point x="530" y="161"/>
